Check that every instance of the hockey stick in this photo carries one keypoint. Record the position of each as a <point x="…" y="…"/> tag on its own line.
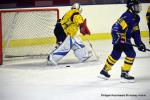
<point x="136" y="46"/>
<point x="97" y="57"/>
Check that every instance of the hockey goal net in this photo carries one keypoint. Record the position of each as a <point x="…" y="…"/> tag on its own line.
<point x="26" y="32"/>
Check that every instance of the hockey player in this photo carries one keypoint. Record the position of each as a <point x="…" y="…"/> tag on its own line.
<point x="65" y="31"/>
<point x="148" y="21"/>
<point x="126" y="27"/>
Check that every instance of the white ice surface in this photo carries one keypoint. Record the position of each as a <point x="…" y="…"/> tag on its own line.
<point x="34" y="80"/>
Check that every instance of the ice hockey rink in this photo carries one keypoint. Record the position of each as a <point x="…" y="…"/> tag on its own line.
<point x="32" y="79"/>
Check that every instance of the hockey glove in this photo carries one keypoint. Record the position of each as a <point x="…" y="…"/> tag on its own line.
<point x="84" y="29"/>
<point x="142" y="47"/>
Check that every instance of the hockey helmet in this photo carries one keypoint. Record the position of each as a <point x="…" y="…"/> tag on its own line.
<point x="134" y="5"/>
<point x="77" y="6"/>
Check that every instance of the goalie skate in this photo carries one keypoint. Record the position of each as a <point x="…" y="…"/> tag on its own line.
<point x="50" y="61"/>
<point x="89" y="55"/>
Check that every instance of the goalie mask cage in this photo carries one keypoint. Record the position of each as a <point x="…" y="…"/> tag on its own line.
<point x="26" y="32"/>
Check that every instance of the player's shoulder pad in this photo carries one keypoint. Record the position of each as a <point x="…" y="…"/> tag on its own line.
<point x="128" y="16"/>
<point x="75" y="12"/>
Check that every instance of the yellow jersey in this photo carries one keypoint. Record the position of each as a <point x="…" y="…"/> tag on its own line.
<point x="71" y="22"/>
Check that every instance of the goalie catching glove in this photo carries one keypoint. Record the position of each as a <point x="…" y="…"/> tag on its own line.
<point x="84" y="29"/>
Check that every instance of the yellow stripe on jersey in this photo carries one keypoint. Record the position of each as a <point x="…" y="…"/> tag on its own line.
<point x="123" y="36"/>
<point x="122" y="23"/>
<point x="136" y="28"/>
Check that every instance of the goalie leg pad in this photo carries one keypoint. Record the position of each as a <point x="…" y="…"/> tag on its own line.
<point x="82" y="54"/>
<point x="60" y="51"/>
<point x="81" y="51"/>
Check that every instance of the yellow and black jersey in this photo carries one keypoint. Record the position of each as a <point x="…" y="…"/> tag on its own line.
<point x="148" y="15"/>
<point x="128" y="26"/>
<point x="71" y="21"/>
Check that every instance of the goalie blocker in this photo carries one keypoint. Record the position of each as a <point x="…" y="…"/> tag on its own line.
<point x="69" y="43"/>
<point x="84" y="29"/>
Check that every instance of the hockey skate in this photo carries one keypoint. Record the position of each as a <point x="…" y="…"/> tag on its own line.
<point x="104" y="74"/>
<point x="50" y="61"/>
<point x="126" y="78"/>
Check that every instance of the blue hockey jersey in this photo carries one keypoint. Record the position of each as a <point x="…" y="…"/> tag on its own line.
<point x="127" y="27"/>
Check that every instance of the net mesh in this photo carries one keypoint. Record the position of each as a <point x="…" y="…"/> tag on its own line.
<point x="28" y="33"/>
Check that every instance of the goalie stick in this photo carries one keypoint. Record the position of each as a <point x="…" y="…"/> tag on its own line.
<point x="97" y="57"/>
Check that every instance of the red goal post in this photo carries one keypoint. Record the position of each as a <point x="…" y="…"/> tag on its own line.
<point x="29" y="26"/>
